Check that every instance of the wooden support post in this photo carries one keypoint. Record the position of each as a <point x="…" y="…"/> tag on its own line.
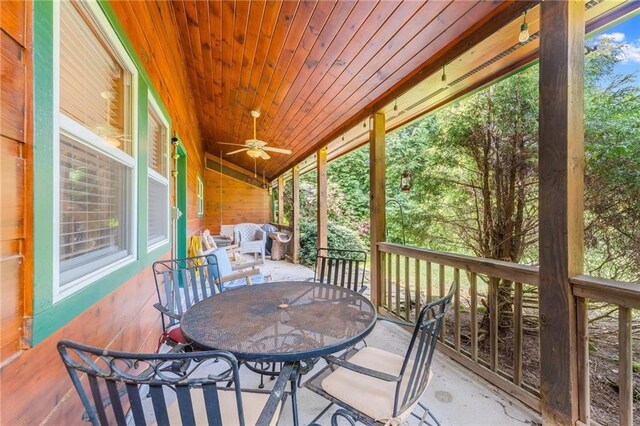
<point x="561" y="169"/>
<point x="322" y="197"/>
<point x="377" y="214"/>
<point x="296" y="214"/>
<point x="280" y="200"/>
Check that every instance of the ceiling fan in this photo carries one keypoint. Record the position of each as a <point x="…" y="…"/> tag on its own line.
<point x="256" y="148"/>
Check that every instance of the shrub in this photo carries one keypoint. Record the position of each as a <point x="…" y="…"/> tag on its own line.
<point x="340" y="237"/>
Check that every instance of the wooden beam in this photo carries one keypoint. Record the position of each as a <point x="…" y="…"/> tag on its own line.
<point x="296" y="213"/>
<point x="377" y="202"/>
<point x="561" y="170"/>
<point x="280" y="200"/>
<point x="322" y="197"/>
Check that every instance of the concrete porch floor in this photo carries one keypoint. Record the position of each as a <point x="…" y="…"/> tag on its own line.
<point x="455" y="395"/>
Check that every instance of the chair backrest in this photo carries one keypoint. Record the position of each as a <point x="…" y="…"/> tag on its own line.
<point x="417" y="362"/>
<point x="246" y="232"/>
<point x="174" y="382"/>
<point x="344" y="268"/>
<point x="180" y="283"/>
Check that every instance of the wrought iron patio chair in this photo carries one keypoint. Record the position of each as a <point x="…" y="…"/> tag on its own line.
<point x="173" y="388"/>
<point x="373" y="386"/>
<point x="180" y="283"/>
<point x="344" y="268"/>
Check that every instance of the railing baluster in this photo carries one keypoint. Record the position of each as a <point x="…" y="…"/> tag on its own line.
<point x="397" y="285"/>
<point x="429" y="283"/>
<point x="418" y="289"/>
<point x="389" y="283"/>
<point x="473" y="288"/>
<point x="443" y="330"/>
<point x="493" y="322"/>
<point x="383" y="281"/>
<point x="456" y="313"/>
<point x="625" y="381"/>
<point x="517" y="334"/>
<point x="584" y="390"/>
<point x="407" y="290"/>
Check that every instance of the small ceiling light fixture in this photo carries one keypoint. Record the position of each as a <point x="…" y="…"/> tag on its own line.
<point x="524" y="30"/>
<point x="364" y="124"/>
<point x="343" y="137"/>
<point x="443" y="79"/>
<point x="395" y="105"/>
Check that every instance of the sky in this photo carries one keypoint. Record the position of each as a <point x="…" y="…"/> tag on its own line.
<point x="627" y="33"/>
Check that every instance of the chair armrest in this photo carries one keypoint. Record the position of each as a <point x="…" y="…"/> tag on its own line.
<point x="238" y="275"/>
<point x="362" y="370"/>
<point x="277" y="395"/>
<point x="246" y="265"/>
<point x="397" y="321"/>
<point x="167" y="312"/>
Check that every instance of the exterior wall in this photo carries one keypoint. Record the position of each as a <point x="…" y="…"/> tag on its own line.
<point x="118" y="313"/>
<point x="237" y="202"/>
<point x="15" y="169"/>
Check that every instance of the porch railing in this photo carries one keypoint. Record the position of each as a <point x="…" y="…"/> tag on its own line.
<point x="492" y="329"/>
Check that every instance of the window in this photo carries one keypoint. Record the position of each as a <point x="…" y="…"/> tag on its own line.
<point x="95" y="149"/>
<point x="200" y="197"/>
<point x="158" y="169"/>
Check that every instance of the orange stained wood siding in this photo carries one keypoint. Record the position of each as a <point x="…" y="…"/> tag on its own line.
<point x="236" y="202"/>
<point x="15" y="177"/>
<point x="35" y="386"/>
<point x="149" y="27"/>
<point x="308" y="66"/>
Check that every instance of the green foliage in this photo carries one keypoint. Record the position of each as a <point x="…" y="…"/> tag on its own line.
<point x="463" y="158"/>
<point x="340" y="237"/>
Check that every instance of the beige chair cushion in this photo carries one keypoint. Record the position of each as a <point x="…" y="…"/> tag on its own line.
<point x="371" y="396"/>
<point x="252" y="403"/>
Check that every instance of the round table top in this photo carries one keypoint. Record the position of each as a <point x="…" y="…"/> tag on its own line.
<point x="280" y="321"/>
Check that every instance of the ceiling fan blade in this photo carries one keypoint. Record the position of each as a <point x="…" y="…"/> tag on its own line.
<point x="264" y="155"/>
<point x="227" y="143"/>
<point x="278" y="150"/>
<point x="237" y="151"/>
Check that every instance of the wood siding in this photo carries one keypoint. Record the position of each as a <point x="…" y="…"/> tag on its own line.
<point x="15" y="169"/>
<point x="160" y="52"/>
<point x="36" y="388"/>
<point x="237" y="202"/>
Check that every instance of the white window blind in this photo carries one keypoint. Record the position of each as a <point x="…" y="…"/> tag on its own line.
<point x="158" y="187"/>
<point x="96" y="219"/>
<point x="157" y="134"/>
<point x="93" y="209"/>
<point x="95" y="88"/>
<point x="200" y="197"/>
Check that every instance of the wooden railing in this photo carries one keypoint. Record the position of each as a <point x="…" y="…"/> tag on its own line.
<point x="502" y="345"/>
<point x="627" y="298"/>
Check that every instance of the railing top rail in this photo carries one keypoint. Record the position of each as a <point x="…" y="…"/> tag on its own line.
<point x="605" y="290"/>
<point x="494" y="268"/>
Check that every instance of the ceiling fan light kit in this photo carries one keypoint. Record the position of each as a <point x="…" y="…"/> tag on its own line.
<point x="256" y="148"/>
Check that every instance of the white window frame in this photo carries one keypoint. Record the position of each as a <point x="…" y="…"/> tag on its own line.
<point x="200" y="196"/>
<point x="63" y="124"/>
<point x="153" y="104"/>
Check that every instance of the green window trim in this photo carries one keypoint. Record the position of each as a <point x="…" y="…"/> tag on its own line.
<point x="48" y="316"/>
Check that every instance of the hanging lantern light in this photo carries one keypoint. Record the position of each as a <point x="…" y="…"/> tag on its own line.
<point x="405" y="181"/>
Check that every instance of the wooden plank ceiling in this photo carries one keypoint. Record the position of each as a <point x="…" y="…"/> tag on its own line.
<point x="312" y="67"/>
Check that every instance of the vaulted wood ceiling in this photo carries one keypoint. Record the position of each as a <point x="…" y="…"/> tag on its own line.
<point x="313" y="67"/>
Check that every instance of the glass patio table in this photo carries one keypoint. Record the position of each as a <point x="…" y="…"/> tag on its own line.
<point x="289" y="321"/>
<point x="280" y="321"/>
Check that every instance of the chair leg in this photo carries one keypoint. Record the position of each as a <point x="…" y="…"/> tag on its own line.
<point x="315" y="419"/>
<point x="344" y="414"/>
<point x="426" y="413"/>
<point x="294" y="400"/>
